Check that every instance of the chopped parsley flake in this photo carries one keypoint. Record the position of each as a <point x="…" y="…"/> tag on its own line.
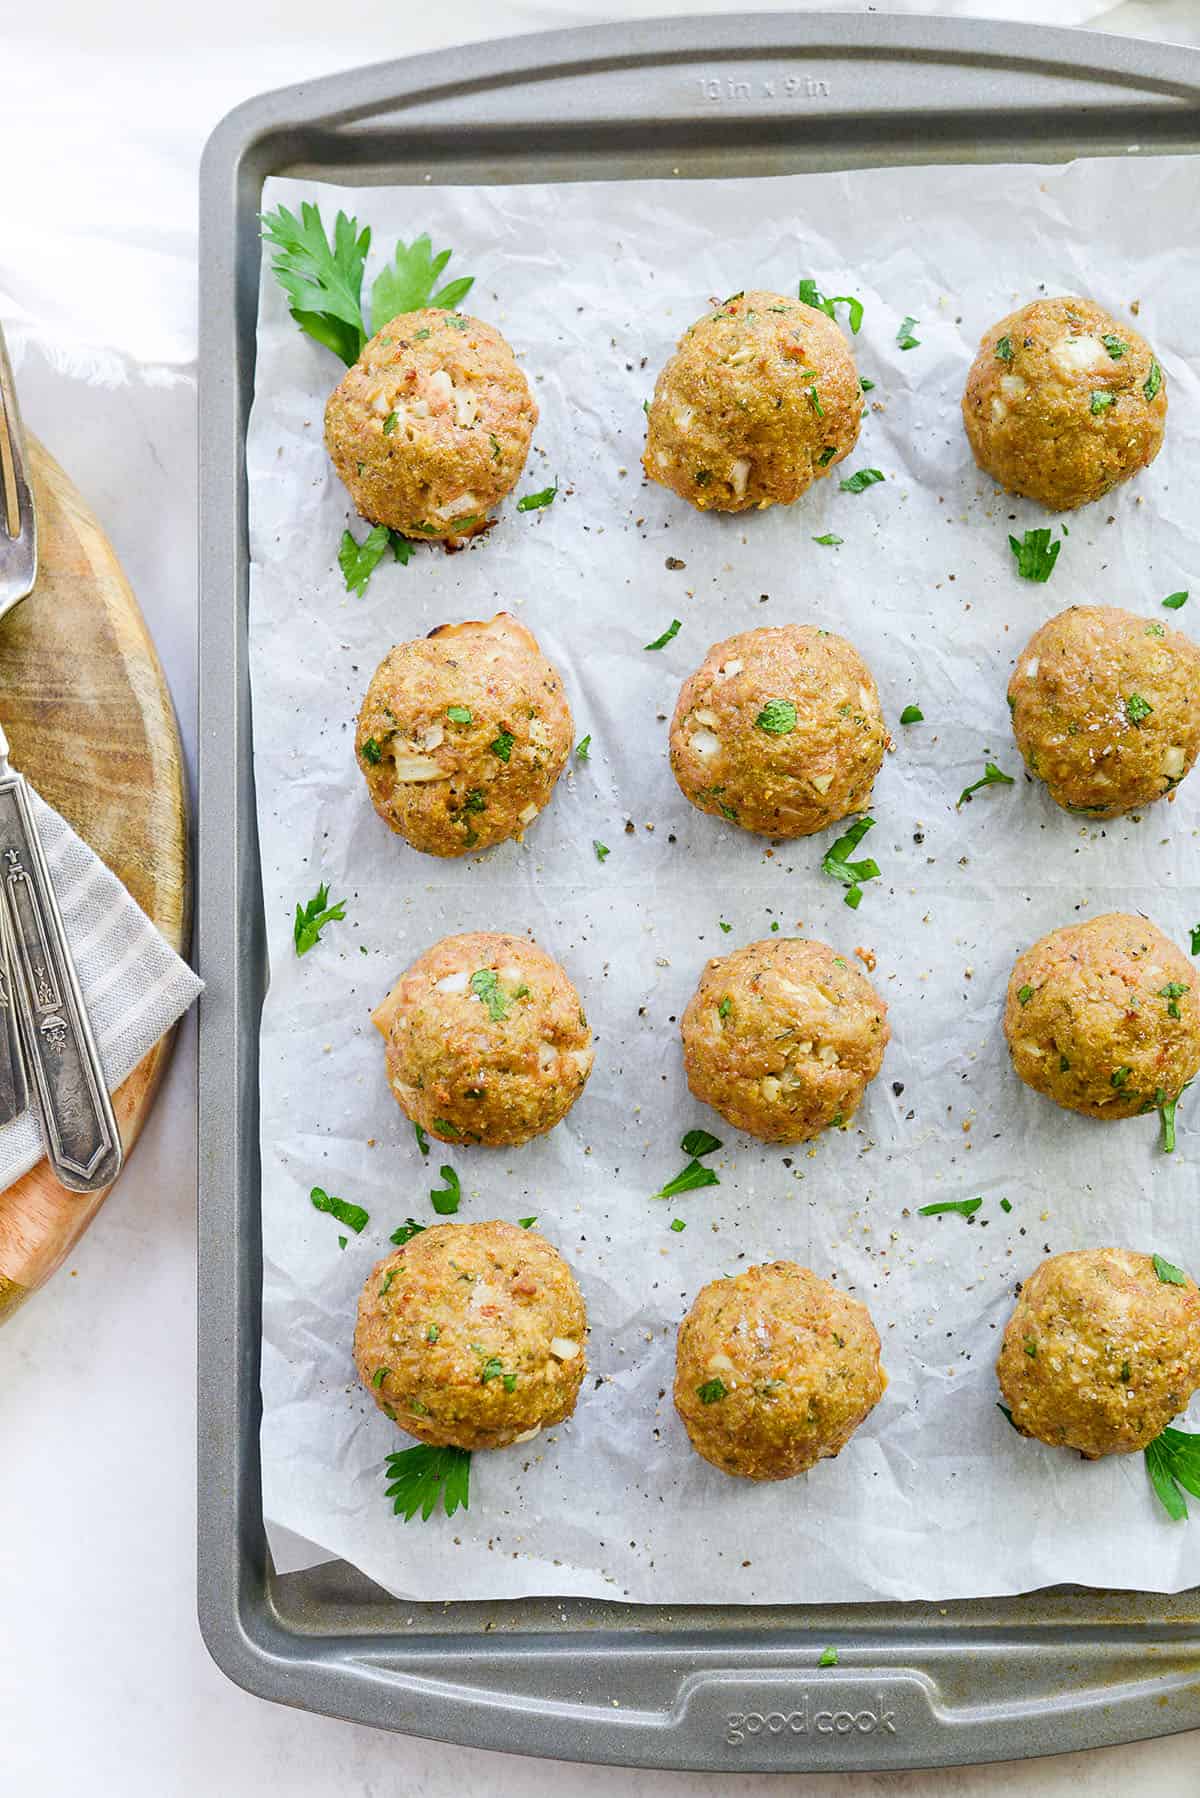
<point x="1035" y="554"/>
<point x="992" y="777"/>
<point x="1169" y="1275"/>
<point x="1006" y="1204"/>
<point x="527" y="1223"/>
<point x="700" y="1142"/>
<point x="689" y="1179"/>
<point x="1004" y="349"/>
<point x="459" y="714"/>
<point x="583" y="748"/>
<point x="961" y="1208"/>
<point x="1024" y="994"/>
<point x="904" y="336"/>
<point x="486" y="986"/>
<point x="503" y="745"/>
<point x="828" y="1658"/>
<point x="1116" y="346"/>
<point x="371" y="752"/>
<point x="1137" y="708"/>
<point x="1120" y="1077"/>
<point x="912" y="714"/>
<point x="810" y="295"/>
<point x="829" y="540"/>
<point x="867" y="386"/>
<point x="352" y="1216"/>
<point x="858" y="482"/>
<point x="678" y="1224"/>
<point x="1173" y="601"/>
<point x="723" y="926"/>
<point x="602" y="850"/>
<point x="1173" y="992"/>
<point x="533" y="502"/>
<point x="1153" y="381"/>
<point x="836" y="863"/>
<point x="777" y="718"/>
<point x="711" y="1391"/>
<point x="422" y="1139"/>
<point x="358" y="561"/>
<point x="408" y="1229"/>
<point x="1101" y="401"/>
<point x="672" y="630"/>
<point x="446" y="1199"/>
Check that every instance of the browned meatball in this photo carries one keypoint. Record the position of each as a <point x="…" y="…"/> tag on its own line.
<point x="1106" y="708"/>
<point x="1103" y="1017"/>
<point x="431" y="426"/>
<point x="782" y="1038"/>
<point x="774" y="1371"/>
<point x="760" y="399"/>
<point x="1102" y="1351"/>
<point x="462" y="735"/>
<point x="1063" y="402"/>
<point x="779" y="730"/>
<point x="472" y="1335"/>
<point x="486" y="1040"/>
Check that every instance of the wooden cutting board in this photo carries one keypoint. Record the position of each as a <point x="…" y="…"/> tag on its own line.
<point x="89" y="718"/>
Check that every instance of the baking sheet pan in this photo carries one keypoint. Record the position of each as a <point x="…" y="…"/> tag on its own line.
<point x="694" y="1686"/>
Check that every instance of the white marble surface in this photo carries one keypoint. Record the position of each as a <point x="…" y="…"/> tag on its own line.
<point x="105" y="1687"/>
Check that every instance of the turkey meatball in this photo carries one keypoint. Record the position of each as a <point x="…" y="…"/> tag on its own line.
<point x="782" y="1038"/>
<point x="462" y="735"/>
<point x="1106" y="708"/>
<point x="472" y="1335"/>
<point x="430" y="428"/>
<point x="1101" y="1351"/>
<point x="1103" y="1017"/>
<point x="774" y="1371"/>
<point x="779" y="730"/>
<point x="486" y="1040"/>
<point x="760" y="399"/>
<point x="1063" y="402"/>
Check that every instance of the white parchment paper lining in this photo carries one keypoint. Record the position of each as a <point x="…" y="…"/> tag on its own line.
<point x="935" y="1496"/>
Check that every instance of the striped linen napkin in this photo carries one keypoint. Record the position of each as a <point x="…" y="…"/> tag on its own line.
<point x="135" y="985"/>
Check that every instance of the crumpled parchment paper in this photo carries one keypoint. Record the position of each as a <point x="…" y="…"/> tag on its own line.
<point x="935" y="1497"/>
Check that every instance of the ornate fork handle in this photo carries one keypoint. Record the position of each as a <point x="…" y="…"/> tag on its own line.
<point x="83" y="1144"/>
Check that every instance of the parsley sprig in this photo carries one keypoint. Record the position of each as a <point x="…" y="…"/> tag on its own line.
<point x="1173" y="1464"/>
<point x="837" y="864"/>
<point x="312" y="918"/>
<point x="323" y="278"/>
<point x="421" y="1477"/>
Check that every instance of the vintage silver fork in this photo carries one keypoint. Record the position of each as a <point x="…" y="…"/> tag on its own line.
<point x="54" y="1040"/>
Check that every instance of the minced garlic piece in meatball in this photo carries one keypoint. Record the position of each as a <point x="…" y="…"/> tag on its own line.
<point x="1104" y="1017"/>
<point x="779" y="730"/>
<point x="782" y="1038"/>
<point x="774" y="1371"/>
<point x="1063" y="402"/>
<point x="1101" y="1351"/>
<point x="462" y="735"/>
<point x="430" y="428"/>
<point x="760" y="399"/>
<point x="472" y="1335"/>
<point x="1106" y="708"/>
<point x="486" y="1040"/>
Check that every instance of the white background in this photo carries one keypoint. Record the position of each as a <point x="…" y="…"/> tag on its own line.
<point x="105" y="1687"/>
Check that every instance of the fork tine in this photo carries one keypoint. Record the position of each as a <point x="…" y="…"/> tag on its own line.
<point x="18" y="519"/>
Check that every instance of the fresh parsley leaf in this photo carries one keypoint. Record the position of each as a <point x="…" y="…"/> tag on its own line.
<point x="1101" y="400"/>
<point x="1137" y="709"/>
<point x="1035" y="554"/>
<point x="533" y="502"/>
<point x="486" y="986"/>
<point x="1153" y="381"/>
<point x="677" y="1224"/>
<point x="407" y="283"/>
<point x="723" y="926"/>
<point x="1004" y="349"/>
<point x="417" y="1479"/>
<point x="699" y="1143"/>
<point x="422" y="1139"/>
<point x="527" y="1223"/>
<point x="904" y="336"/>
<point x="602" y="850"/>
<point x="829" y="1658"/>
<point x="1006" y="1204"/>
<point x="322" y="280"/>
<point x="991" y="777"/>
<point x="856" y="483"/>
<point x="961" y="1208"/>
<point x="408" y="1229"/>
<point x="312" y="918"/>
<point x="912" y="714"/>
<point x="867" y="386"/>
<point x="583" y="748"/>
<point x="829" y="540"/>
<point x="689" y="1179"/>
<point x="358" y="561"/>
<point x="711" y="1392"/>
<point x="352" y="1216"/>
<point x="402" y="549"/>
<point x="672" y="630"/>
<point x="1173" y="1462"/>
<point x="810" y="295"/>
<point x="1116" y="346"/>
<point x="446" y="1199"/>
<point x="1173" y="601"/>
<point x="1170" y="1276"/>
<point x="777" y="718"/>
<point x="836" y="863"/>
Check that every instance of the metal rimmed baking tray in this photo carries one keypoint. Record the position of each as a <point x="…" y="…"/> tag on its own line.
<point x="686" y="1686"/>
